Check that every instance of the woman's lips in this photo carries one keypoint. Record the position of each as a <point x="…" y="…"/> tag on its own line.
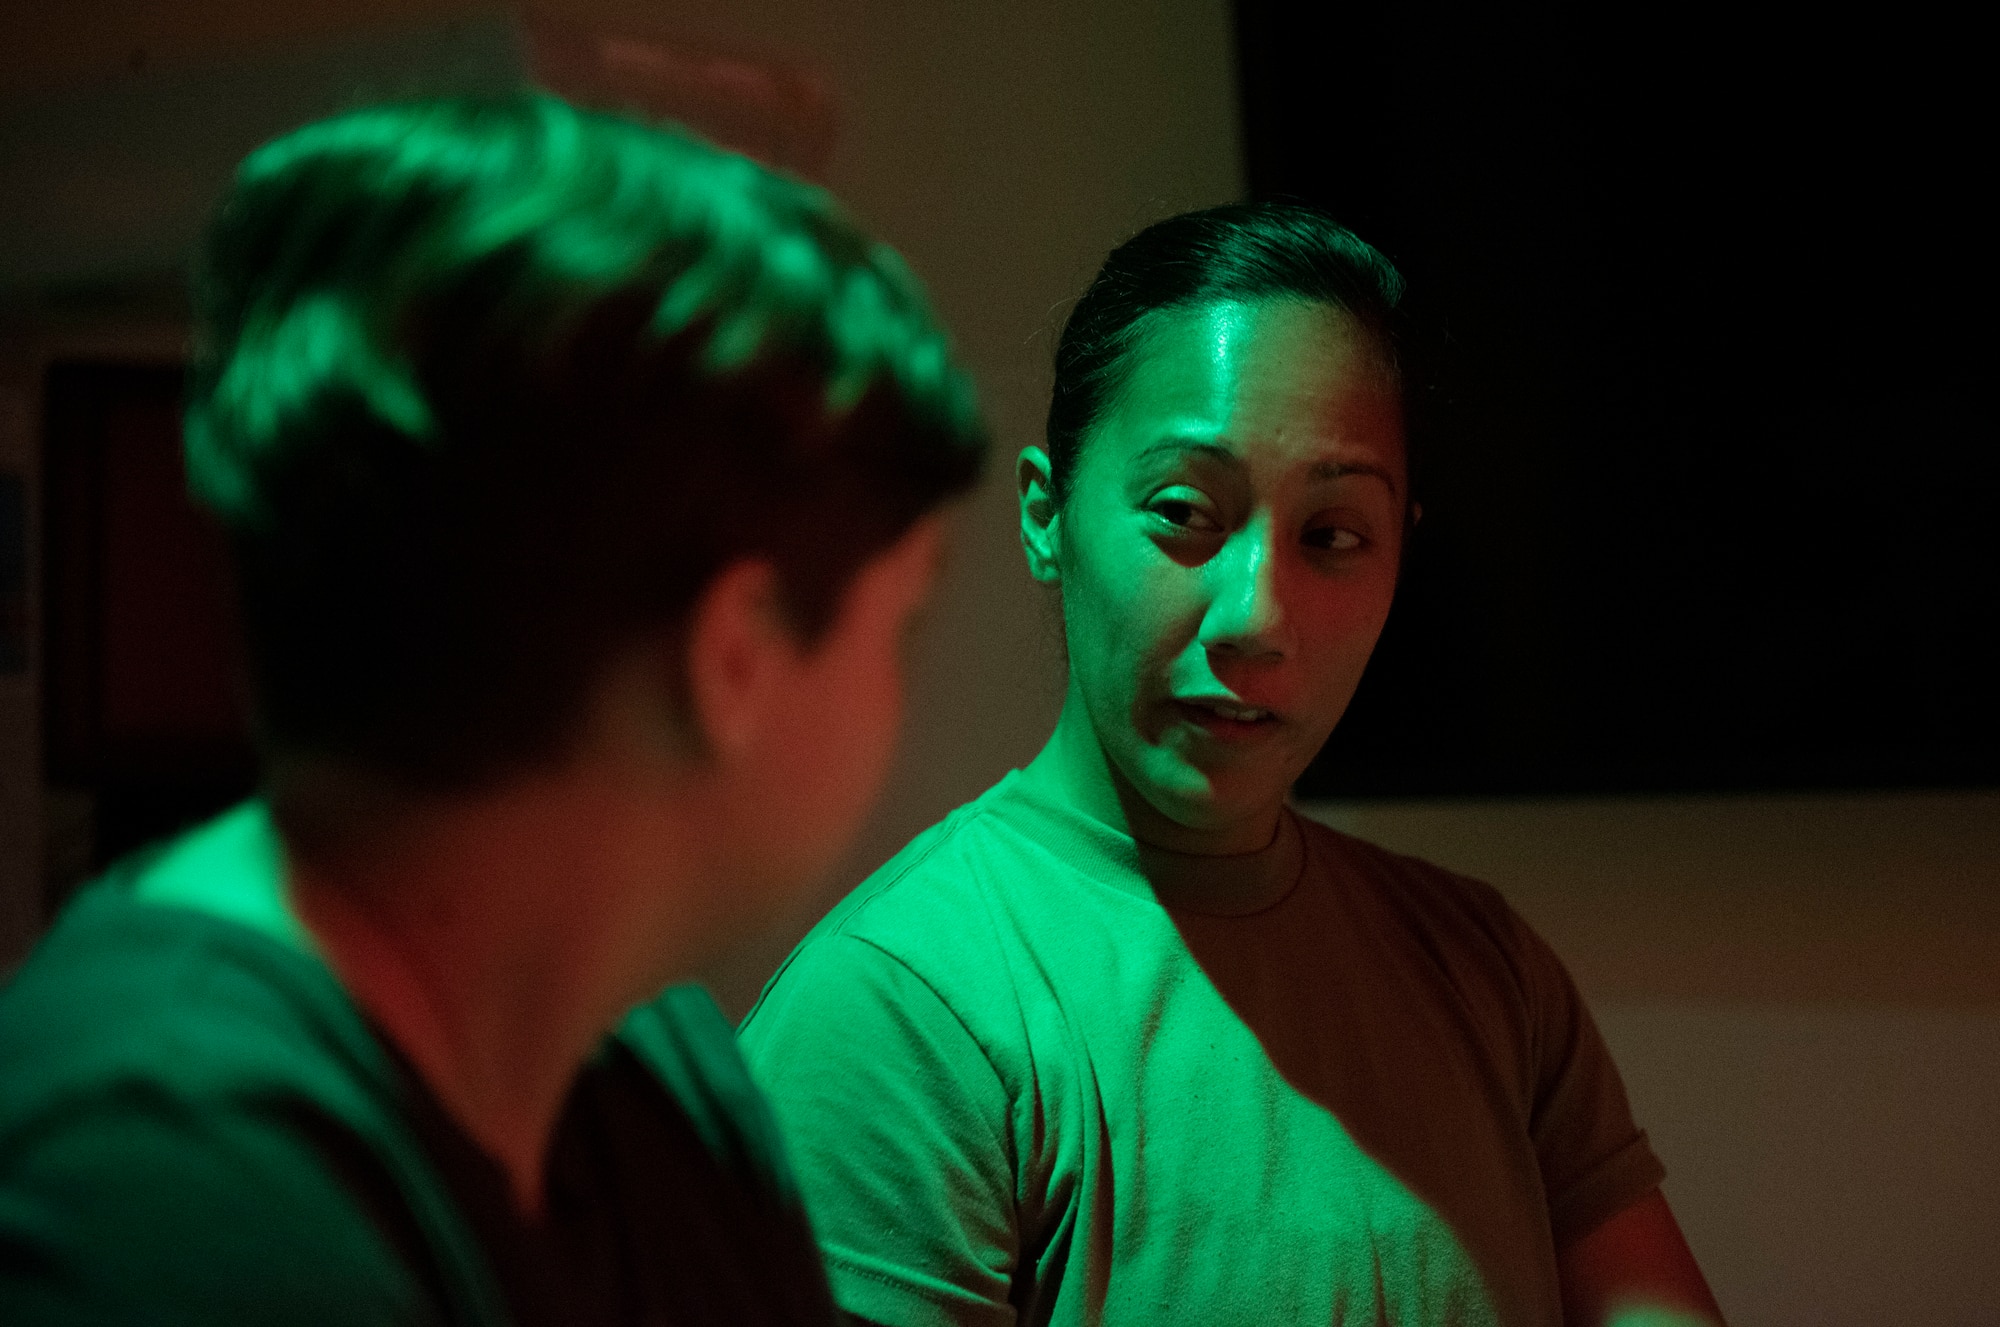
<point x="1228" y="721"/>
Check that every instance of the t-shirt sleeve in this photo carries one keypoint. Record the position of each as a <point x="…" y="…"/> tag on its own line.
<point x="898" y="1125"/>
<point x="144" y="1209"/>
<point x="1595" y="1161"/>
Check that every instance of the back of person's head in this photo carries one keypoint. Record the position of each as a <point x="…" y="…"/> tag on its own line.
<point x="487" y="390"/>
<point x="1236" y="252"/>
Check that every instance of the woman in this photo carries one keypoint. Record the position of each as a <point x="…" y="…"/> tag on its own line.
<point x="1127" y="1041"/>
<point x="582" y="480"/>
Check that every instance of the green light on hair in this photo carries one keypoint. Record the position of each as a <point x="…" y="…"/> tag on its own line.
<point x="278" y="378"/>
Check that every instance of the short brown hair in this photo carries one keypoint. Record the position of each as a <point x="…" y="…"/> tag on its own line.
<point x="487" y="388"/>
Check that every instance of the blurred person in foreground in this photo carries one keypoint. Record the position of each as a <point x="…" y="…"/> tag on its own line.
<point x="1126" y="1039"/>
<point x="582" y="480"/>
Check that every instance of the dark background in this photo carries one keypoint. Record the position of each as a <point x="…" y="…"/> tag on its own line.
<point x="143" y="714"/>
<point x="1700" y="359"/>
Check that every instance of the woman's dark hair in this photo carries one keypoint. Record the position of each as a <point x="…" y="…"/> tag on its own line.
<point x="487" y="389"/>
<point x="1240" y="251"/>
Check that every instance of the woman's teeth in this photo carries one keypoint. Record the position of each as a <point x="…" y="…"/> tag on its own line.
<point x="1241" y="713"/>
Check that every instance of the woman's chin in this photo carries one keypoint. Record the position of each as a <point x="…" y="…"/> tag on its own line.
<point x="1210" y="804"/>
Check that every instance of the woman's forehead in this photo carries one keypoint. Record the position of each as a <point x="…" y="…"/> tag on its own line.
<point x="1301" y="379"/>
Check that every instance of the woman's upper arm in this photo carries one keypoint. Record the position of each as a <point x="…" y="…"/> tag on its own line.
<point x="1621" y="1257"/>
<point x="1635" y="1270"/>
<point x="899" y="1129"/>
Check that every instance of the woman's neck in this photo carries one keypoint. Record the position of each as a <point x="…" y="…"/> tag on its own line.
<point x="1075" y="766"/>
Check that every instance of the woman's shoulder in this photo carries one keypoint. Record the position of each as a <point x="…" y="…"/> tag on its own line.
<point x="1422" y="893"/>
<point x="950" y="871"/>
<point x="1406" y="869"/>
<point x="942" y="924"/>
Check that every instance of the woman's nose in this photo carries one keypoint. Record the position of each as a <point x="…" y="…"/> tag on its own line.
<point x="1245" y="614"/>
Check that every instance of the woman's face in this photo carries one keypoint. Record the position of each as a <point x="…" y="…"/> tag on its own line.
<point x="1229" y="550"/>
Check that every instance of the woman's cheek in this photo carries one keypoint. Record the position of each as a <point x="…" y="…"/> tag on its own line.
<point x="1164" y="623"/>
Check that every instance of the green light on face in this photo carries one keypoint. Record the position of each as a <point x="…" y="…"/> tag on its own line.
<point x="1229" y="550"/>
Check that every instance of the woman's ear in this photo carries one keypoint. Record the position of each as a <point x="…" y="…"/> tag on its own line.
<point x="1041" y="519"/>
<point x="740" y="652"/>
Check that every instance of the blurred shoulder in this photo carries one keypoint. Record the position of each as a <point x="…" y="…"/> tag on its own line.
<point x="126" y="995"/>
<point x="683" y="1040"/>
<point x="193" y="1118"/>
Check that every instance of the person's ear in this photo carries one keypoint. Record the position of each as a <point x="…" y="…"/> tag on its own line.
<point x="740" y="653"/>
<point x="1041" y="519"/>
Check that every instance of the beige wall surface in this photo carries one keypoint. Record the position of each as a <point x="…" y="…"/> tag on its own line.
<point x="1833" y="1164"/>
<point x="79" y="42"/>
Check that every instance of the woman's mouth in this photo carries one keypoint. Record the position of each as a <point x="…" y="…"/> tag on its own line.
<point x="1227" y="719"/>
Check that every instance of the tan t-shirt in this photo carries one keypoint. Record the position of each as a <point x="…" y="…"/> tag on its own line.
<point x="1030" y="1071"/>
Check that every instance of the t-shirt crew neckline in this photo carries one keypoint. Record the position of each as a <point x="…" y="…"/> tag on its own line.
<point x="1234" y="885"/>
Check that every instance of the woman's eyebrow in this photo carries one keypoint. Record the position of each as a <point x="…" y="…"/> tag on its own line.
<point x="1330" y="470"/>
<point x="1179" y="446"/>
<point x="1320" y="473"/>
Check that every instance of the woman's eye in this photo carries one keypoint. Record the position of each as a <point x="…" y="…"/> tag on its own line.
<point x="1334" y="539"/>
<point x="1183" y="512"/>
